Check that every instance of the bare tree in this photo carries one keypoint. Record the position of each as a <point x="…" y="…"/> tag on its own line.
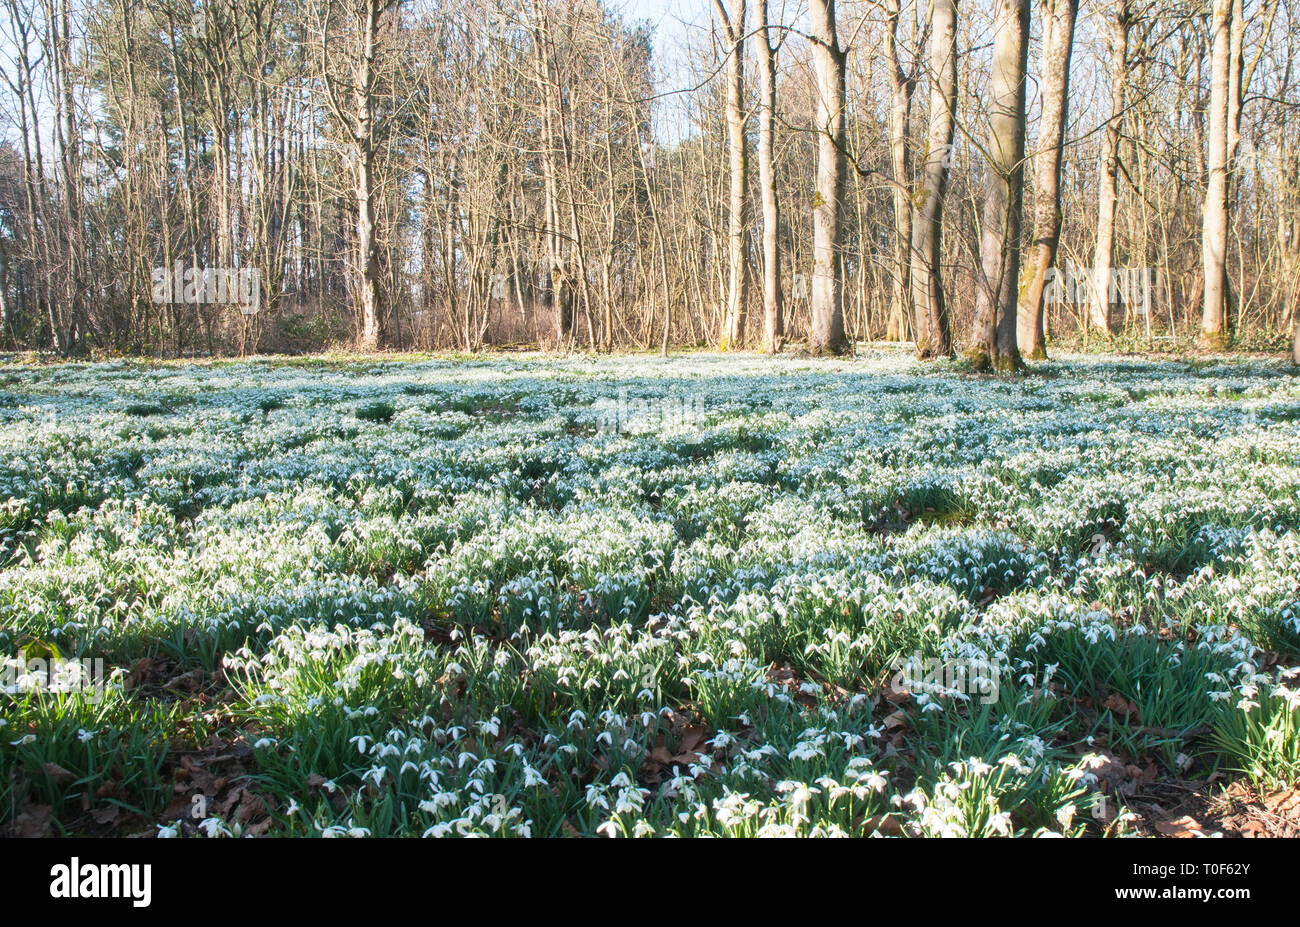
<point x="733" y="28"/>
<point x="1104" y="293"/>
<point x="993" y="335"/>
<point x="559" y="290"/>
<point x="826" y="334"/>
<point x="523" y="173"/>
<point x="1058" y="17"/>
<point x="902" y="84"/>
<point x="1214" y="230"/>
<point x="773" y="301"/>
<point x="352" y="91"/>
<point x="932" y="324"/>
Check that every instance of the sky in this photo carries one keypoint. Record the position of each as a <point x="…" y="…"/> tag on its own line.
<point x="677" y="22"/>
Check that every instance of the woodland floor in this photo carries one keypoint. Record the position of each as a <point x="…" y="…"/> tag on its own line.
<point x="630" y="595"/>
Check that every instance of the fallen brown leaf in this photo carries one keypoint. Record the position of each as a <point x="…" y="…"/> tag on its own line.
<point x="58" y="774"/>
<point x="1186" y="826"/>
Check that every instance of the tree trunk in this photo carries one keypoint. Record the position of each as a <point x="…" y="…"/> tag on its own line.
<point x="826" y="335"/>
<point x="931" y="322"/>
<point x="773" y="307"/>
<point x="372" y="322"/>
<point x="1214" y="229"/>
<point x="1104" y="293"/>
<point x="558" y="293"/>
<point x="994" y="333"/>
<point x="1058" y="45"/>
<point x="901" y="87"/>
<point x="733" y="25"/>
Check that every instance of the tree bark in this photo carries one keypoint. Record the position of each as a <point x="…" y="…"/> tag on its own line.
<point x="364" y="154"/>
<point x="558" y="293"/>
<point x="1103" y="296"/>
<point x="1214" y="229"/>
<point x="733" y="25"/>
<point x="933" y="330"/>
<point x="1058" y="44"/>
<point x="773" y="303"/>
<point x="826" y="335"/>
<point x="901" y="87"/>
<point x="994" y="332"/>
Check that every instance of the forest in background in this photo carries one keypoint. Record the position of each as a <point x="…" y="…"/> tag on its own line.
<point x="412" y="174"/>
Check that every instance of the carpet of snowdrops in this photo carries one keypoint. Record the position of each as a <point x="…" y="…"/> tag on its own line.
<point x="634" y="596"/>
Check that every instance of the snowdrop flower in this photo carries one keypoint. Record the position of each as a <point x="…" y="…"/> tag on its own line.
<point x="1013" y="762"/>
<point x="214" y="827"/>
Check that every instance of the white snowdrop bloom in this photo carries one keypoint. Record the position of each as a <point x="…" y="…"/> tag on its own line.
<point x="1000" y="823"/>
<point x="875" y="781"/>
<point x="806" y="751"/>
<point x="630" y="801"/>
<point x="214" y="827"/>
<point x="797" y="794"/>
